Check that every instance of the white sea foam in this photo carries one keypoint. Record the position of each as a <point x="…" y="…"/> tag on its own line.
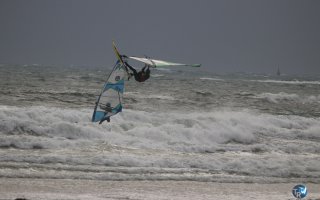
<point x="211" y="79"/>
<point x="157" y="75"/>
<point x="283" y="96"/>
<point x="295" y="82"/>
<point x="163" y="69"/>
<point x="163" y="97"/>
<point x="147" y="142"/>
<point x="139" y="129"/>
<point x="138" y="95"/>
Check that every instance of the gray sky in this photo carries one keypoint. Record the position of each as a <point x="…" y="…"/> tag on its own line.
<point x="224" y="35"/>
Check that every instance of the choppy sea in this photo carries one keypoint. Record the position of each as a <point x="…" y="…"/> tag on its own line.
<point x="181" y="124"/>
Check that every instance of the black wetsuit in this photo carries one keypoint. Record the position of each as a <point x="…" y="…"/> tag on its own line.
<point x="107" y="109"/>
<point x="142" y="75"/>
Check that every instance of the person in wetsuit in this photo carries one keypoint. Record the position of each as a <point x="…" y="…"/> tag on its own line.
<point x="142" y="75"/>
<point x="107" y="109"/>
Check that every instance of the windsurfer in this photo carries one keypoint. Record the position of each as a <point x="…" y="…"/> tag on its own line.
<point x="107" y="109"/>
<point x="142" y="75"/>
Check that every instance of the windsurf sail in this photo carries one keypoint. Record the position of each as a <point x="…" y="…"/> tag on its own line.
<point x="109" y="102"/>
<point x="161" y="63"/>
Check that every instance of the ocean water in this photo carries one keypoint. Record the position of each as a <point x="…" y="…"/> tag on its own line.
<point x="180" y="125"/>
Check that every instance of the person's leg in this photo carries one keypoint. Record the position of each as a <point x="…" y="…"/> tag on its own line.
<point x="135" y="73"/>
<point x="148" y="70"/>
<point x="102" y="120"/>
<point x="143" y="68"/>
<point x="132" y="69"/>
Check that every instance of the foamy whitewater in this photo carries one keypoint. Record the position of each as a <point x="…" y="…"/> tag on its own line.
<point x="179" y="125"/>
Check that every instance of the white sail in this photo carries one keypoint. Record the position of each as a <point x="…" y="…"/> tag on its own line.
<point x="161" y="63"/>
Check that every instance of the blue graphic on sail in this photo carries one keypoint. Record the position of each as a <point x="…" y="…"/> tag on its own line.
<point x="109" y="101"/>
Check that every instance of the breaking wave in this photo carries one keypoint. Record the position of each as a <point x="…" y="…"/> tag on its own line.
<point x="185" y="132"/>
<point x="138" y="145"/>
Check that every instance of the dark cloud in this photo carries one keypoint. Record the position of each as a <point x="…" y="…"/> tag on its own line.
<point x="225" y="36"/>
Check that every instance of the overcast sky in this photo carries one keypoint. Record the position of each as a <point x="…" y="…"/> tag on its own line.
<point x="224" y="35"/>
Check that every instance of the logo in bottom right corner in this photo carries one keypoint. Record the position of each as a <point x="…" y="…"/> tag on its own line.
<point x="299" y="191"/>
